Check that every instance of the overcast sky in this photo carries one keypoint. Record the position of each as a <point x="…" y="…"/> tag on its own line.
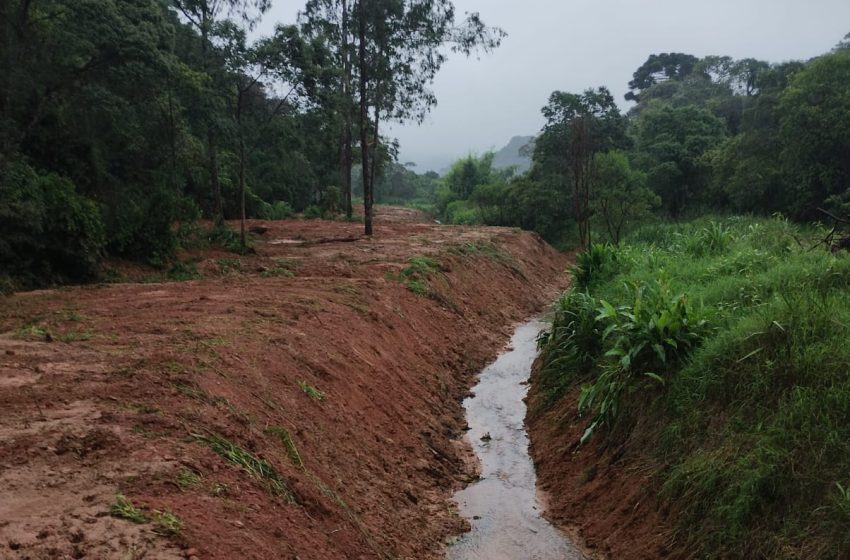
<point x="575" y="44"/>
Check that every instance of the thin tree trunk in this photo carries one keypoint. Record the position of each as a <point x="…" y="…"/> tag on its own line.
<point x="242" y="191"/>
<point x="375" y="139"/>
<point x="581" y="158"/>
<point x="212" y="148"/>
<point x="212" y="162"/>
<point x="364" y="122"/>
<point x="347" y="158"/>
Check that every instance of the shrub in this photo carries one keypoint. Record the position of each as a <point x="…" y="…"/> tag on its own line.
<point x="228" y="238"/>
<point x="461" y="212"/>
<point x="278" y="210"/>
<point x="644" y="341"/>
<point x="312" y="212"/>
<point x="594" y="265"/>
<point x="140" y="223"/>
<point x="48" y="233"/>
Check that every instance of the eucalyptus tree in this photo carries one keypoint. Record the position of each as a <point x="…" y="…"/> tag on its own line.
<point x="204" y="15"/>
<point x="401" y="45"/>
<point x="330" y="22"/>
<point x="266" y="77"/>
<point x="388" y="53"/>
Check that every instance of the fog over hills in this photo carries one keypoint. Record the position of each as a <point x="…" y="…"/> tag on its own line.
<point x="514" y="155"/>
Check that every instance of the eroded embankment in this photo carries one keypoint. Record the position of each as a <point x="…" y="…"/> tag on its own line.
<point x="303" y="402"/>
<point x="603" y="494"/>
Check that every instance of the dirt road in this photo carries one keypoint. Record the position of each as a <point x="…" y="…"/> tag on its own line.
<point x="302" y="402"/>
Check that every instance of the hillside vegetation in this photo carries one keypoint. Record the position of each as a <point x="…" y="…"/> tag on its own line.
<point x="705" y="135"/>
<point x="715" y="352"/>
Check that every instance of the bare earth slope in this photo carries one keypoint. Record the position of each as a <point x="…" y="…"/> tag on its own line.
<point x="604" y="495"/>
<point x="338" y="387"/>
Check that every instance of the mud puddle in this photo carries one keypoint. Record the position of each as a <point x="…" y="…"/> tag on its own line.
<point x="503" y="506"/>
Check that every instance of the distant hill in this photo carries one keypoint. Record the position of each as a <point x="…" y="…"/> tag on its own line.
<point x="510" y="155"/>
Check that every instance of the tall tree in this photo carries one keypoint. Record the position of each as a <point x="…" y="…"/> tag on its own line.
<point x="670" y="144"/>
<point x="331" y="20"/>
<point x="659" y="68"/>
<point x="815" y="126"/>
<point x="401" y="45"/>
<point x="279" y="64"/>
<point x="578" y="126"/>
<point x="204" y="15"/>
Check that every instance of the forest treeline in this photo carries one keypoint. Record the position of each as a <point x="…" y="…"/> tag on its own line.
<point x="122" y="122"/>
<point x="705" y="135"/>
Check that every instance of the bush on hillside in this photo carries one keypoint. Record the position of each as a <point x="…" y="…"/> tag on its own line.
<point x="48" y="233"/>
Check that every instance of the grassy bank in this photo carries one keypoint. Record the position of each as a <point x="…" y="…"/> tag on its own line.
<point x="724" y="348"/>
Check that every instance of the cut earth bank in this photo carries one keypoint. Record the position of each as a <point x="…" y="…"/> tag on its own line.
<point x="302" y="402"/>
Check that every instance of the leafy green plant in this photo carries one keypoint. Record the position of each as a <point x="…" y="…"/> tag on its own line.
<point x="572" y="345"/>
<point x="279" y="210"/>
<point x="713" y="239"/>
<point x="228" y="238"/>
<point x="312" y="212"/>
<point x="124" y="509"/>
<point x="183" y="271"/>
<point x="7" y="285"/>
<point x="643" y="339"/>
<point x="745" y="415"/>
<point x="596" y="264"/>
<point x="49" y="232"/>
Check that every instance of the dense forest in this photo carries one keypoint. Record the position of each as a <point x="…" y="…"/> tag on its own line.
<point x="124" y="122"/>
<point x="705" y="135"/>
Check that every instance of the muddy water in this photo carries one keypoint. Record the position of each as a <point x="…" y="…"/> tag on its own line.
<point x="503" y="506"/>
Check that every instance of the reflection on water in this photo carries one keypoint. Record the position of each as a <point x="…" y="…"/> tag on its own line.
<point x="503" y="506"/>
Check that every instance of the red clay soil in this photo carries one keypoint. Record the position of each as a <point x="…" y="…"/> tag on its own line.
<point x="339" y="388"/>
<point x="601" y="494"/>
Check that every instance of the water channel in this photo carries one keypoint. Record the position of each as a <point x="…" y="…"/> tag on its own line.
<point x="504" y="506"/>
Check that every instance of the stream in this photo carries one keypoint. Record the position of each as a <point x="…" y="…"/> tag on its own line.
<point x="503" y="506"/>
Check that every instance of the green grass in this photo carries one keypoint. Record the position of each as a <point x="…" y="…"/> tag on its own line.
<point x="250" y="463"/>
<point x="229" y="265"/>
<point x="35" y="332"/>
<point x="489" y="251"/>
<point x="417" y="273"/>
<point x="311" y="391"/>
<point x="182" y="271"/>
<point x="167" y="523"/>
<point x="288" y="443"/>
<point x="219" y="489"/>
<point x="281" y="268"/>
<point x="187" y="479"/>
<point x="123" y="508"/>
<point x="750" y="412"/>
